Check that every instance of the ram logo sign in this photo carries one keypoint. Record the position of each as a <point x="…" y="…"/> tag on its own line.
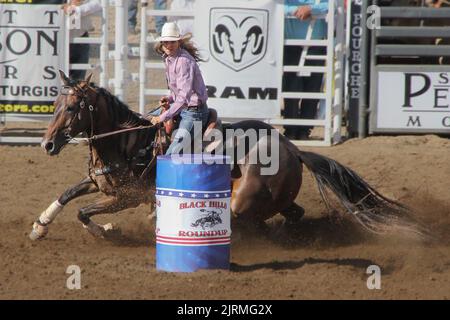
<point x="238" y="37"/>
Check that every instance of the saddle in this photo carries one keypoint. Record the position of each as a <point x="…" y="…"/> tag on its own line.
<point x="213" y="122"/>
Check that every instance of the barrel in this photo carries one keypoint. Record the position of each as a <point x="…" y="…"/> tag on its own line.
<point x="192" y="213"/>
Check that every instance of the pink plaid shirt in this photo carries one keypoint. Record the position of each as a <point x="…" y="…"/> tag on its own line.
<point x="185" y="82"/>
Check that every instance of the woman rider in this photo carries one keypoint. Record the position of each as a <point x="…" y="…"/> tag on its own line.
<point x="188" y="94"/>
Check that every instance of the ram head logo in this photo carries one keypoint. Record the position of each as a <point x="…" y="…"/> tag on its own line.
<point x="238" y="38"/>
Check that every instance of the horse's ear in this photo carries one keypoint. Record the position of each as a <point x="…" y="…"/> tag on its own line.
<point x="64" y="78"/>
<point x="88" y="79"/>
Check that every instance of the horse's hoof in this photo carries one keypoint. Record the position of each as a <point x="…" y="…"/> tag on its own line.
<point x="38" y="232"/>
<point x="111" y="231"/>
<point x="94" y="229"/>
<point x="109" y="227"/>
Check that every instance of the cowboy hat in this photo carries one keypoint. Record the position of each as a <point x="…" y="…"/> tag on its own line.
<point x="170" y="32"/>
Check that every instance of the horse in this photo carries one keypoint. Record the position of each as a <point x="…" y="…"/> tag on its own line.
<point x="122" y="168"/>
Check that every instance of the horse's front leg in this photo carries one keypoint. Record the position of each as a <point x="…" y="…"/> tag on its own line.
<point x="109" y="204"/>
<point x="40" y="227"/>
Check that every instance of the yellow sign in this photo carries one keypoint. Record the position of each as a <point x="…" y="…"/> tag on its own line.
<point x="24" y="108"/>
<point x="16" y="1"/>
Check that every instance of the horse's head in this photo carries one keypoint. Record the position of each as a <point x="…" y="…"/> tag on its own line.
<point x="72" y="115"/>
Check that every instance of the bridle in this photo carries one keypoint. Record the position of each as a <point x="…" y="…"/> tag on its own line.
<point x="82" y="94"/>
<point x="157" y="145"/>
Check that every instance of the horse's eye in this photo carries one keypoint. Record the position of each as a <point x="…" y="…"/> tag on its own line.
<point x="70" y="109"/>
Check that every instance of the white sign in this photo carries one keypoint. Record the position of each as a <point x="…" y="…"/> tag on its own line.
<point x="32" y="49"/>
<point x="413" y="100"/>
<point x="193" y="218"/>
<point x="242" y="42"/>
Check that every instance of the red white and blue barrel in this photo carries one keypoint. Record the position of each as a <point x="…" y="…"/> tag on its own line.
<point x="193" y="213"/>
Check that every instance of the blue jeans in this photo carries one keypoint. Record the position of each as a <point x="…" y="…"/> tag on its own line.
<point x="133" y="9"/>
<point x="132" y="13"/>
<point x="186" y="133"/>
<point x="159" y="21"/>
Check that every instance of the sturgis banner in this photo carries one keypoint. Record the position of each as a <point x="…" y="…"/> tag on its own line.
<point x="32" y="49"/>
<point x="243" y="41"/>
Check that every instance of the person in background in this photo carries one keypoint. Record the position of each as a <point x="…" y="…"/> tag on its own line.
<point x="132" y="15"/>
<point x="79" y="52"/>
<point x="187" y="88"/>
<point x="298" y="14"/>
<point x="159" y="21"/>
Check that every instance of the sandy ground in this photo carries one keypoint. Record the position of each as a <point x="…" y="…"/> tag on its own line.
<point x="327" y="259"/>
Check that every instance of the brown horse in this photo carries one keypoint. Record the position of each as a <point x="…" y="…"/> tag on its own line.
<point x="118" y="162"/>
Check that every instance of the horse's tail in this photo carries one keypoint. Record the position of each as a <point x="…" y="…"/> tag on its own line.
<point x="373" y="210"/>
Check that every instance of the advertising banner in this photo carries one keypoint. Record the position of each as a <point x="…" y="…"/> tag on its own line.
<point x="33" y="46"/>
<point x="413" y="101"/>
<point x="241" y="42"/>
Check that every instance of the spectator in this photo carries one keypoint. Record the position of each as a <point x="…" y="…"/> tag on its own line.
<point x="79" y="52"/>
<point x="159" y="21"/>
<point x="297" y="28"/>
<point x="187" y="88"/>
<point x="132" y="15"/>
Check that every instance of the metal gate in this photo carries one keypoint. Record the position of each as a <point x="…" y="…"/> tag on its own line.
<point x="333" y="71"/>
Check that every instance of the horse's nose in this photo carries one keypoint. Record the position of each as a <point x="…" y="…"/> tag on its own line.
<point x="49" y="146"/>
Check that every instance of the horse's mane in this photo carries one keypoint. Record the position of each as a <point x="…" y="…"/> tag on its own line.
<point x="120" y="113"/>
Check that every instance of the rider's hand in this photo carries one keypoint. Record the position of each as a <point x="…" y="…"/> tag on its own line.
<point x="303" y="12"/>
<point x="68" y="8"/>
<point x="164" y="102"/>
<point x="155" y="120"/>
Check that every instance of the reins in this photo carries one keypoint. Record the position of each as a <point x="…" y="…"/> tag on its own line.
<point x="158" y="148"/>
<point x="107" y="134"/>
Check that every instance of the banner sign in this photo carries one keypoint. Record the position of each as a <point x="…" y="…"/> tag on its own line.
<point x="241" y="41"/>
<point x="354" y="33"/>
<point x="33" y="46"/>
<point x="413" y="101"/>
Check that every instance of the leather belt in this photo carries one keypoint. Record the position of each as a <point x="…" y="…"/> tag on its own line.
<point x="195" y="108"/>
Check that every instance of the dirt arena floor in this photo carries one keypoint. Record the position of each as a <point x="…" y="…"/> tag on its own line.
<point x="328" y="259"/>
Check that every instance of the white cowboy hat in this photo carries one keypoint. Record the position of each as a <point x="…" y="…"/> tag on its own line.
<point x="170" y="32"/>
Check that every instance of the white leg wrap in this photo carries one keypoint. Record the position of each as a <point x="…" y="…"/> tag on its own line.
<point x="38" y="231"/>
<point x="51" y="212"/>
<point x="94" y="229"/>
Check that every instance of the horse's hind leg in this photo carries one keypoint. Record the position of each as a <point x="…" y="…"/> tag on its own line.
<point x="40" y="227"/>
<point x="110" y="204"/>
<point x="293" y="215"/>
